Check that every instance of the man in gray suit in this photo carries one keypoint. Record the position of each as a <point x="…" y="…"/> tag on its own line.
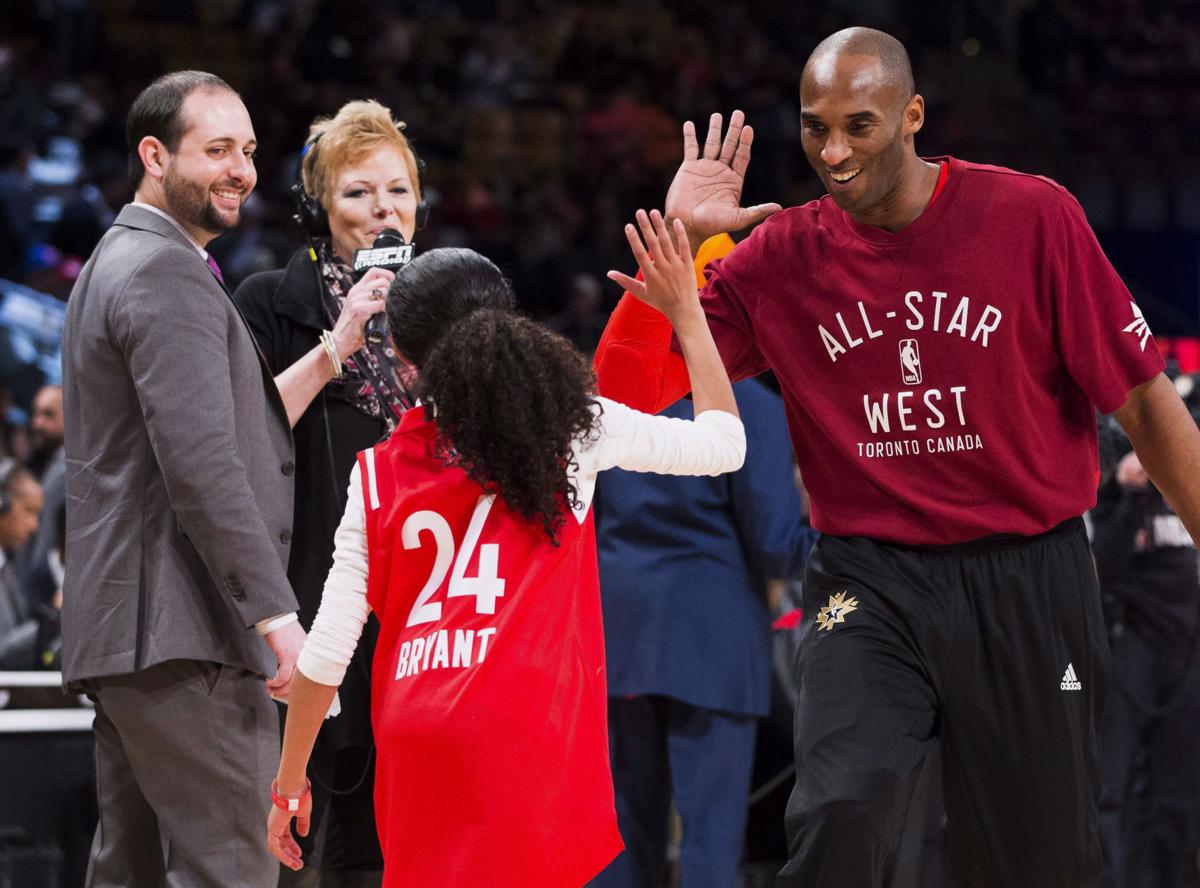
<point x="179" y="508"/>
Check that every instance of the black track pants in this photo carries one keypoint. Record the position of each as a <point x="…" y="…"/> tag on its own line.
<point x="994" y="649"/>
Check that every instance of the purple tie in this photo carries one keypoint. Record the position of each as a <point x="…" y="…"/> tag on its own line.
<point x="216" y="269"/>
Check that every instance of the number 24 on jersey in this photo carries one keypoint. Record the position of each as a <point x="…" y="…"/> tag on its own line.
<point x="485" y="587"/>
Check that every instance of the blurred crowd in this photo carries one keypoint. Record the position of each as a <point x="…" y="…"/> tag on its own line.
<point x="543" y="126"/>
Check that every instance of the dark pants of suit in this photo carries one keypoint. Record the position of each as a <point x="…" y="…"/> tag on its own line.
<point x="662" y="748"/>
<point x="185" y="755"/>
<point x="1150" y="807"/>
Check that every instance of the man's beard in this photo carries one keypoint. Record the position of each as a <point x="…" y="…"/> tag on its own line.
<point x="190" y="202"/>
<point x="42" y="454"/>
<point x="40" y="442"/>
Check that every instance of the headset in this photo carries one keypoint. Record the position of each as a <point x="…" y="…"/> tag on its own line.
<point x="307" y="210"/>
<point x="8" y="465"/>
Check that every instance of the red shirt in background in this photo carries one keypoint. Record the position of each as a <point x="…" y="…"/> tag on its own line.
<point x="940" y="382"/>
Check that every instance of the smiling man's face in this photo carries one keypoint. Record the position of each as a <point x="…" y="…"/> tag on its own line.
<point x="208" y="178"/>
<point x="855" y="122"/>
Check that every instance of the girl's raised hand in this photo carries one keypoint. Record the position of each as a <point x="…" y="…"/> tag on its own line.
<point x="665" y="259"/>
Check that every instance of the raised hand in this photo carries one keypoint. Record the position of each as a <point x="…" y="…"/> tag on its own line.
<point x="669" y="284"/>
<point x="706" y="192"/>
<point x="665" y="259"/>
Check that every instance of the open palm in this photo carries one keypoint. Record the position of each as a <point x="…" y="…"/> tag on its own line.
<point x="706" y="192"/>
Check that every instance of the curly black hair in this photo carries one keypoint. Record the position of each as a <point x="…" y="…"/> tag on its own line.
<point x="509" y="396"/>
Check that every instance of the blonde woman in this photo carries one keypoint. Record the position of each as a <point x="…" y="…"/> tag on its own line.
<point x="358" y="176"/>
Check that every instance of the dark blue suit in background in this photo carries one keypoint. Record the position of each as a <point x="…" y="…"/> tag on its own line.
<point x="683" y="565"/>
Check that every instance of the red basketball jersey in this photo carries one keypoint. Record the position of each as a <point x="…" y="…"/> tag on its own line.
<point x="488" y="693"/>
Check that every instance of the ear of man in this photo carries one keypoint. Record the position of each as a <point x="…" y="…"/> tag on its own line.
<point x="914" y="115"/>
<point x="154" y="156"/>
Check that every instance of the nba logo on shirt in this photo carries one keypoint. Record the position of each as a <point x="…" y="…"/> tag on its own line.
<point x="910" y="362"/>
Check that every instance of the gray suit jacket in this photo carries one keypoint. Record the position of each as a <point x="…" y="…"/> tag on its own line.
<point x="179" y="464"/>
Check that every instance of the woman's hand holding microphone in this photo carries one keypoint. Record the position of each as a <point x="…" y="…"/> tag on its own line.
<point x="366" y="298"/>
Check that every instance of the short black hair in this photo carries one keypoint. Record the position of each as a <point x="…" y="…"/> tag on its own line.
<point x="891" y="53"/>
<point x="435" y="290"/>
<point x="156" y="112"/>
<point x="510" y="398"/>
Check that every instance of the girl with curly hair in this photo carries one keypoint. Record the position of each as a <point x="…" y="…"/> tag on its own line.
<point x="469" y="534"/>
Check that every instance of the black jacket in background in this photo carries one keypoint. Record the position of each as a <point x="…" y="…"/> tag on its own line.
<point x="1147" y="566"/>
<point x="284" y="311"/>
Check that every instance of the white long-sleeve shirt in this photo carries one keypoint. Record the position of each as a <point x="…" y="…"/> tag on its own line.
<point x="714" y="443"/>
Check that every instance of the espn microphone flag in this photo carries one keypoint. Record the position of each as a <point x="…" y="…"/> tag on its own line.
<point x="390" y="257"/>
<point x="391" y="252"/>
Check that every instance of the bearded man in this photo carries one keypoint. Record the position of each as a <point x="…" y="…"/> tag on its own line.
<point x="179" y="508"/>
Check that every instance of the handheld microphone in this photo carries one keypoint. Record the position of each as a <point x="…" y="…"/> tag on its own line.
<point x="391" y="252"/>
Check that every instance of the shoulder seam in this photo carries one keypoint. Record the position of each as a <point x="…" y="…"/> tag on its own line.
<point x="120" y="297"/>
<point x="1003" y="171"/>
<point x="152" y="254"/>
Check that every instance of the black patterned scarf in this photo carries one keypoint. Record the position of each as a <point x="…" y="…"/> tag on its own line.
<point x="374" y="380"/>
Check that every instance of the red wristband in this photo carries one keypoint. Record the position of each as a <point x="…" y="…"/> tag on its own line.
<point x="288" y="804"/>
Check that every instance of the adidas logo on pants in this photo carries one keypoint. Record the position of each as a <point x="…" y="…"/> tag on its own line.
<point x="1070" y="681"/>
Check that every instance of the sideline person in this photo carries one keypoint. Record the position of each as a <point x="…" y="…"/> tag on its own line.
<point x="358" y="176"/>
<point x="179" y="467"/>
<point x="470" y="534"/>
<point x="942" y="332"/>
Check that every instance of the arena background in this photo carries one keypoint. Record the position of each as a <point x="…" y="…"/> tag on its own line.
<point x="545" y="125"/>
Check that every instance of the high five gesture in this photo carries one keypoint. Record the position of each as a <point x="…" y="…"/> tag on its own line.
<point x="706" y="192"/>
<point x="669" y="284"/>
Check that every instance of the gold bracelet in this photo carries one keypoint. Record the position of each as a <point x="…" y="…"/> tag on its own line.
<point x="334" y="359"/>
<point x="331" y="353"/>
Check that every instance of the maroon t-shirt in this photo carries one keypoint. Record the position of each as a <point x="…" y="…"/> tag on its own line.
<point x="940" y="382"/>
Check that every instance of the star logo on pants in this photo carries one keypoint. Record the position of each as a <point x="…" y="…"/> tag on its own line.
<point x="836" y="611"/>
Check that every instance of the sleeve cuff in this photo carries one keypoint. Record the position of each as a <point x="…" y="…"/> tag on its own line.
<point x="320" y="669"/>
<point x="270" y="624"/>
<point x="732" y="431"/>
<point x="721" y="419"/>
